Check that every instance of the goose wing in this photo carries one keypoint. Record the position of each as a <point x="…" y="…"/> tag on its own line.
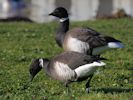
<point x="75" y="59"/>
<point x="92" y="37"/>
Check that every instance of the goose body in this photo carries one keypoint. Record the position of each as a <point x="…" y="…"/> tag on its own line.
<point x="83" y="40"/>
<point x="68" y="66"/>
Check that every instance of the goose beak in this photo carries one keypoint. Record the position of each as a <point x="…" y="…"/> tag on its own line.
<point x="31" y="78"/>
<point x="25" y="86"/>
<point x="51" y="14"/>
<point x="28" y="82"/>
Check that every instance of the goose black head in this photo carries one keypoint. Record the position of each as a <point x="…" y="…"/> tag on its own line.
<point x="36" y="66"/>
<point x="60" y="12"/>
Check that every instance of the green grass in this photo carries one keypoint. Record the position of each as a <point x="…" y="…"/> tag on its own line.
<point x="20" y="42"/>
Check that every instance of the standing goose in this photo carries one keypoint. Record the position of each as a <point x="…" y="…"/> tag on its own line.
<point x="68" y="67"/>
<point x="83" y="40"/>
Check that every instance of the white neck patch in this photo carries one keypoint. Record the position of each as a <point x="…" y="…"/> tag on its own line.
<point x="41" y="62"/>
<point x="63" y="19"/>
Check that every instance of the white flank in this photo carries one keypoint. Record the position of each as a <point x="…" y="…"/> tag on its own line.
<point x="63" y="19"/>
<point x="64" y="71"/>
<point x="76" y="45"/>
<point x="115" y="45"/>
<point x="41" y="62"/>
<point x="86" y="70"/>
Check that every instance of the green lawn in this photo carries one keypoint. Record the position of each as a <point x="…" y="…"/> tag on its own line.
<point x="20" y="42"/>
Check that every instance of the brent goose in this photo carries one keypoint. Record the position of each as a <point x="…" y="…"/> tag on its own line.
<point x="68" y="67"/>
<point x="83" y="40"/>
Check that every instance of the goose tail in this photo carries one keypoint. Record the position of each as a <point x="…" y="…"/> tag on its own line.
<point x="99" y="63"/>
<point x="115" y="45"/>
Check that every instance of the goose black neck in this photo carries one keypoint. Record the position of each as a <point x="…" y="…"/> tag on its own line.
<point x="46" y="66"/>
<point x="62" y="29"/>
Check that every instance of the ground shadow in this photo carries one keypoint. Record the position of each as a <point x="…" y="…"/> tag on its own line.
<point x="113" y="90"/>
<point x="14" y="19"/>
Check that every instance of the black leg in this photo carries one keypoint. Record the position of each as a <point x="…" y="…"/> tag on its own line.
<point x="89" y="52"/>
<point x="98" y="56"/>
<point x="88" y="84"/>
<point x="67" y="88"/>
